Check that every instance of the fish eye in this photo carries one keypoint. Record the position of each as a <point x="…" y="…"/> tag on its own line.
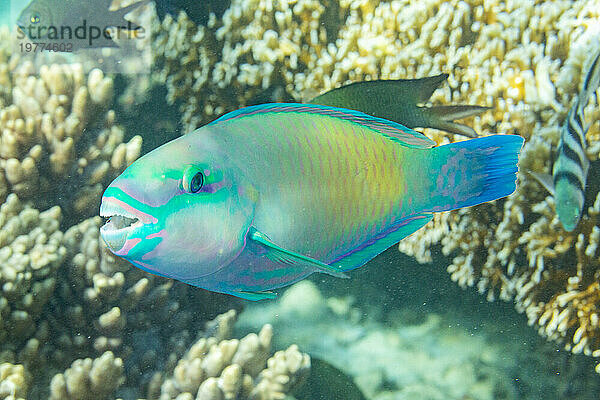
<point x="193" y="179"/>
<point x="34" y="19"/>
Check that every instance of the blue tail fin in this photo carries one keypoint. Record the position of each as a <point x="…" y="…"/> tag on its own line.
<point x="474" y="171"/>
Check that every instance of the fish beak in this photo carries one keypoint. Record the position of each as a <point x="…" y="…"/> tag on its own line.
<point x="120" y="223"/>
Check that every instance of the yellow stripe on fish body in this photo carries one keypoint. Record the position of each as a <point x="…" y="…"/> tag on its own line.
<point x="340" y="182"/>
<point x="344" y="178"/>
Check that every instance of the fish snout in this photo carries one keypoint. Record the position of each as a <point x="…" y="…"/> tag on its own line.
<point x="121" y="221"/>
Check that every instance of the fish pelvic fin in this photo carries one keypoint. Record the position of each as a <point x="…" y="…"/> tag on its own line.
<point x="367" y="250"/>
<point x="473" y="171"/>
<point x="280" y="255"/>
<point x="442" y="118"/>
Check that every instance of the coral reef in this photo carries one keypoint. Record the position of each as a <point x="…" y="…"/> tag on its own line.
<point x="14" y="381"/>
<point x="215" y="368"/>
<point x="62" y="295"/>
<point x="89" y="379"/>
<point x="516" y="249"/>
<point x="65" y="301"/>
<point x="58" y="135"/>
<point x="523" y="59"/>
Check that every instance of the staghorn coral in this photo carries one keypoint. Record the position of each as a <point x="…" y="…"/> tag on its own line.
<point x="58" y="135"/>
<point x="524" y="59"/>
<point x="516" y="249"/>
<point x="215" y="368"/>
<point x="255" y="46"/>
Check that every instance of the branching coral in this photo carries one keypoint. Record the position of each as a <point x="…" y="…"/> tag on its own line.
<point x="214" y="369"/>
<point x="58" y="135"/>
<point x="31" y="252"/>
<point x="255" y="46"/>
<point x="111" y="306"/>
<point x="516" y="249"/>
<point x="89" y="379"/>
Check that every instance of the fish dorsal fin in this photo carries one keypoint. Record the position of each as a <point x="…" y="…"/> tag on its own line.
<point x="424" y="87"/>
<point x="392" y="130"/>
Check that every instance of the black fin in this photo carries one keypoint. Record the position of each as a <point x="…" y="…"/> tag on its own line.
<point x="442" y="118"/>
<point x="424" y="87"/>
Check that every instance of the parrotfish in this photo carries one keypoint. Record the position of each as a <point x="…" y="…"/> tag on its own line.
<point x="401" y="101"/>
<point x="569" y="173"/>
<point x="266" y="195"/>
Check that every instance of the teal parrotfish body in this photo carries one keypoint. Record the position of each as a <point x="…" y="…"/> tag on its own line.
<point x="266" y="195"/>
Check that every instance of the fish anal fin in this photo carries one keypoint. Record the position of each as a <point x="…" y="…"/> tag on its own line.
<point x="545" y="180"/>
<point x="254" y="296"/>
<point x="280" y="255"/>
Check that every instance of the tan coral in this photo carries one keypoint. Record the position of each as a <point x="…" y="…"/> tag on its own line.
<point x="31" y="253"/>
<point x="89" y="379"/>
<point x="14" y="381"/>
<point x="43" y="148"/>
<point x="224" y="369"/>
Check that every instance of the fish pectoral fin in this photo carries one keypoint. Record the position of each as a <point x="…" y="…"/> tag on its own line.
<point x="281" y="255"/>
<point x="545" y="180"/>
<point x="254" y="296"/>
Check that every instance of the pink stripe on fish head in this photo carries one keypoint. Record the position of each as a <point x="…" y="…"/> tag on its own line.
<point x="151" y="254"/>
<point x="161" y="234"/>
<point x="144" y="217"/>
<point x="129" y="244"/>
